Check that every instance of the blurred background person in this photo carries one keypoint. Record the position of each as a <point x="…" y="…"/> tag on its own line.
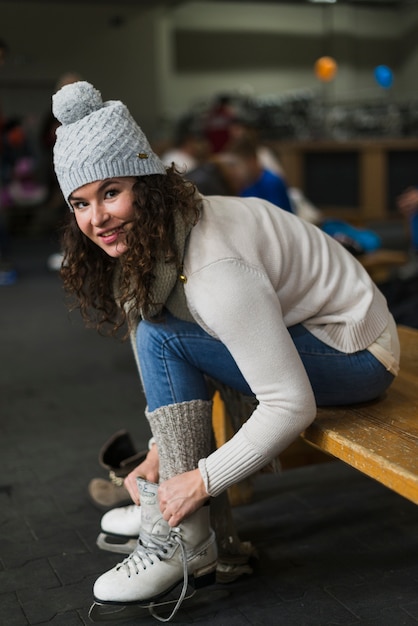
<point x="217" y="123"/>
<point x="191" y="154"/>
<point x="248" y="177"/>
<point x="407" y="204"/>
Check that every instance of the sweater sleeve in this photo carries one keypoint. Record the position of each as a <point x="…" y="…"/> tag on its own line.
<point x="237" y="303"/>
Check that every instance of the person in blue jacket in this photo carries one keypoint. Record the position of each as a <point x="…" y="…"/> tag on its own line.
<point x="249" y="178"/>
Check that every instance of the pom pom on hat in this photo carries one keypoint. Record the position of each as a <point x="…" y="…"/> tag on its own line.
<point x="97" y="140"/>
<point x="75" y="101"/>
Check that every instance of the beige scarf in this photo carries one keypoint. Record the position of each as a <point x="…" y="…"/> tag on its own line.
<point x="168" y="287"/>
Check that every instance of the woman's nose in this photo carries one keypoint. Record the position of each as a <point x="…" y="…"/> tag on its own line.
<point x="98" y="214"/>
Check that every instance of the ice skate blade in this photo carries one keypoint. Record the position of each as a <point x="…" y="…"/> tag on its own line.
<point x="112" y="613"/>
<point x="115" y="543"/>
<point x="116" y="612"/>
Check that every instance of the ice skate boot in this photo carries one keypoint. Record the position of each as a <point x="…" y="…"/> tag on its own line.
<point x="165" y="559"/>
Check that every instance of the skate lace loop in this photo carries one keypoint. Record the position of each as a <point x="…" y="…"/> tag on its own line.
<point x="157" y="549"/>
<point x="148" y="549"/>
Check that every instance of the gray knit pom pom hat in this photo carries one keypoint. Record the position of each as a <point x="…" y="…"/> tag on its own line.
<point x="97" y="140"/>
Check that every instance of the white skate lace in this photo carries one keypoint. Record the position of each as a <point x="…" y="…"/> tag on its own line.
<point x="150" y="548"/>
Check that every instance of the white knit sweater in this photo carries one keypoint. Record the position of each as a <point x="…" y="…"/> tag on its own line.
<point x="252" y="271"/>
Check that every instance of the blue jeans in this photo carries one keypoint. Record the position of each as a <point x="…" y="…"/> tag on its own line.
<point x="175" y="356"/>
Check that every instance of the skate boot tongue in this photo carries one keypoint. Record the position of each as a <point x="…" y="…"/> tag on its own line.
<point x="153" y="526"/>
<point x="156" y="541"/>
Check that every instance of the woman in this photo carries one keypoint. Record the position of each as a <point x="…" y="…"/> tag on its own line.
<point x="225" y="288"/>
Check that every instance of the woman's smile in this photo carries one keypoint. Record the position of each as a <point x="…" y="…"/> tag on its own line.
<point x="110" y="236"/>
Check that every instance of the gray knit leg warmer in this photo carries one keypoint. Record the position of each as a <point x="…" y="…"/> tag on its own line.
<point x="183" y="434"/>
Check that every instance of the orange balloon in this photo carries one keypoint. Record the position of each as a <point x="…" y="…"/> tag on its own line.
<point x="325" y="68"/>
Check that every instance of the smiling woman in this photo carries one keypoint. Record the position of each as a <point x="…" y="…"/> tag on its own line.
<point x="219" y="288"/>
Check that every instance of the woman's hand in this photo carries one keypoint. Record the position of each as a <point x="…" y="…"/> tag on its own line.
<point x="182" y="495"/>
<point x="148" y="469"/>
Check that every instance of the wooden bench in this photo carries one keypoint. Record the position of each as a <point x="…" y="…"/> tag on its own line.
<point x="378" y="438"/>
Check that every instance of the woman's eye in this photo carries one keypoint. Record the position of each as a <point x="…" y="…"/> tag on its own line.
<point x="77" y="206"/>
<point x="111" y="193"/>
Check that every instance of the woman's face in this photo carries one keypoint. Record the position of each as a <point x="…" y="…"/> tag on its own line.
<point x="104" y="212"/>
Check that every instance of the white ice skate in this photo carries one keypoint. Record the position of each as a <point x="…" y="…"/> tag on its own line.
<point x="120" y="529"/>
<point x="164" y="560"/>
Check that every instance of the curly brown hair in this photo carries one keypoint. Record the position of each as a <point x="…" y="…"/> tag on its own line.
<point x="89" y="274"/>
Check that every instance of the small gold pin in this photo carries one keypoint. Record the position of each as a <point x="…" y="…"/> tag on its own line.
<point x="182" y="278"/>
<point x="142" y="155"/>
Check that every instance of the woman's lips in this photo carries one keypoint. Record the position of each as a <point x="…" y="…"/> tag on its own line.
<point x="110" y="236"/>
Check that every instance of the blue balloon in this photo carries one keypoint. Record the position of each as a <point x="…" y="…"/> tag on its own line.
<point x="383" y="75"/>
